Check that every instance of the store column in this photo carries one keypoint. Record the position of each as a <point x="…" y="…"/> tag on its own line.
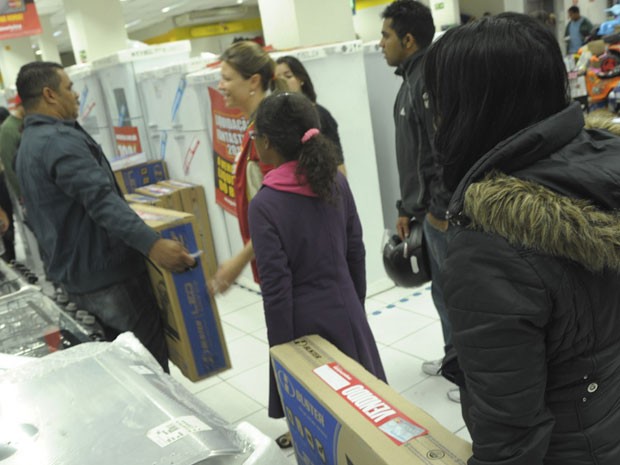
<point x="446" y="13"/>
<point x="516" y="6"/>
<point x="14" y="53"/>
<point x="298" y="23"/>
<point x="47" y="44"/>
<point x="97" y="29"/>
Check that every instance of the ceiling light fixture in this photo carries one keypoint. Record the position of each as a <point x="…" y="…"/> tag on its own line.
<point x="57" y="33"/>
<point x="166" y="9"/>
<point x="133" y="23"/>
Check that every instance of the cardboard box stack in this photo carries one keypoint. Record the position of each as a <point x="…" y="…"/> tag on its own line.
<point x="168" y="197"/>
<point x="339" y="414"/>
<point x="145" y="200"/>
<point x="132" y="177"/>
<point x="193" y="201"/>
<point x="191" y="320"/>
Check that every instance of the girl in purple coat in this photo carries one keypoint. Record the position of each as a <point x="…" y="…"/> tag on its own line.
<point x="307" y="237"/>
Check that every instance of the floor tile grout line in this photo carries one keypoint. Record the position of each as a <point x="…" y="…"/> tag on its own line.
<point x="230" y="386"/>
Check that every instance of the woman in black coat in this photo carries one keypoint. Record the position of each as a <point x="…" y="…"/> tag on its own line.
<point x="291" y="70"/>
<point x="532" y="272"/>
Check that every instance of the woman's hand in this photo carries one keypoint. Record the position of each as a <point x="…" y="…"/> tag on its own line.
<point x="229" y="271"/>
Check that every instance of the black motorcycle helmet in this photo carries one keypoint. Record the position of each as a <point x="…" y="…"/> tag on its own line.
<point x="406" y="262"/>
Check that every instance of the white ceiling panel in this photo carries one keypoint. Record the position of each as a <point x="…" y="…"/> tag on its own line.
<point x="138" y="14"/>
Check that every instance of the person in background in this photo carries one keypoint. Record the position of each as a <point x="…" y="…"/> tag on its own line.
<point x="533" y="263"/>
<point x="577" y="30"/>
<point x="8" y="235"/>
<point x="291" y="70"/>
<point x="10" y="135"/>
<point x="94" y="244"/>
<point x="247" y="77"/>
<point x="308" y="238"/>
<point x="407" y="31"/>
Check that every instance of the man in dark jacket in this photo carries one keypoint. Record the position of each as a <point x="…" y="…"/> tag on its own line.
<point x="407" y="31"/>
<point x="93" y="242"/>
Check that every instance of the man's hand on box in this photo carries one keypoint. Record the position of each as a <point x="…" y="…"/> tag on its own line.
<point x="171" y="255"/>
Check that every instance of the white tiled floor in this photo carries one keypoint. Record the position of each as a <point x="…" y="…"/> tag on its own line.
<point x="405" y="325"/>
<point x="407" y="330"/>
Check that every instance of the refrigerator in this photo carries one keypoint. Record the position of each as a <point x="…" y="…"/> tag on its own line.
<point x="117" y="75"/>
<point x="204" y="168"/>
<point x="383" y="86"/>
<point x="338" y="72"/>
<point x="93" y="113"/>
<point x="179" y="134"/>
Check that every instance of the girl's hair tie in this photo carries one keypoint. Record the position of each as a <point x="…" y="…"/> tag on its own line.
<point x="309" y="134"/>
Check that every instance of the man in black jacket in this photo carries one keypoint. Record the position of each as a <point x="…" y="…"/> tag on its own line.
<point x="93" y="241"/>
<point x="407" y="31"/>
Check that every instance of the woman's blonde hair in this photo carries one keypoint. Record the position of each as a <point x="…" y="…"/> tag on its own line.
<point x="248" y="58"/>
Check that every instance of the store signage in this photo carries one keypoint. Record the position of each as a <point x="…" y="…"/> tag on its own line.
<point x="228" y="129"/>
<point x="127" y="140"/>
<point x="18" y="18"/>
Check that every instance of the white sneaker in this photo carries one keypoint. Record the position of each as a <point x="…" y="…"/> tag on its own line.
<point x="432" y="367"/>
<point x="455" y="395"/>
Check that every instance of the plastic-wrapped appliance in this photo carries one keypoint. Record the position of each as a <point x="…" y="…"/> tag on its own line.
<point x="103" y="403"/>
<point x="32" y="325"/>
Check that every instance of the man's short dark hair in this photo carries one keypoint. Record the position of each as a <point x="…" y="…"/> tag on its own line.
<point x="411" y="17"/>
<point x="33" y="78"/>
<point x="573" y="9"/>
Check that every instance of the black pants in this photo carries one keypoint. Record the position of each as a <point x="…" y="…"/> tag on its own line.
<point x="8" y="238"/>
<point x="129" y="306"/>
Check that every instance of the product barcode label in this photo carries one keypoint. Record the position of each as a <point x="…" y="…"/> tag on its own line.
<point x="175" y="429"/>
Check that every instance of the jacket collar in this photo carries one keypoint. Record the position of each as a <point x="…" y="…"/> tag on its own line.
<point x="406" y="67"/>
<point x="521" y="150"/>
<point x="37" y="119"/>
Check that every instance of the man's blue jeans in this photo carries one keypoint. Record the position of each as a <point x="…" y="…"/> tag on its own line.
<point x="437" y="246"/>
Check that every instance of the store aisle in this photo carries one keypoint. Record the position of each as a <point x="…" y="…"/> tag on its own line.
<point x="407" y="330"/>
<point x="405" y="325"/>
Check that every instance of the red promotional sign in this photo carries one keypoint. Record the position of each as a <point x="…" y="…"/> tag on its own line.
<point x="228" y="128"/>
<point x="127" y="140"/>
<point x="18" y="18"/>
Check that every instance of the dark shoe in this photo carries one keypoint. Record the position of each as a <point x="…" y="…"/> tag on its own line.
<point x="284" y="441"/>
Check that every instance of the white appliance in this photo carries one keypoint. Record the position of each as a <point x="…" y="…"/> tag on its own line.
<point x="93" y="112"/>
<point x="176" y="108"/>
<point x="338" y="73"/>
<point x="383" y="86"/>
<point x="224" y="225"/>
<point x="127" y="114"/>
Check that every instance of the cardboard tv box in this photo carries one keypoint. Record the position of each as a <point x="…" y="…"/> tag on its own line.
<point x="169" y="197"/>
<point x="142" y="174"/>
<point x="144" y="200"/>
<point x="193" y="200"/>
<point x="340" y="414"/>
<point x="191" y="320"/>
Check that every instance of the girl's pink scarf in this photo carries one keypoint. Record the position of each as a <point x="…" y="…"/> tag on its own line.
<point x="284" y="178"/>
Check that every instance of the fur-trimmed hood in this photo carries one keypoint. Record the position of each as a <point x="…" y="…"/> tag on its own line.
<point x="530" y="215"/>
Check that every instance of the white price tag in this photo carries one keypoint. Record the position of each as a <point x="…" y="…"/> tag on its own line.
<point x="175" y="429"/>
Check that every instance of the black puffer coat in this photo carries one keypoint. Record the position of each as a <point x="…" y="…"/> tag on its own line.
<point x="532" y="285"/>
